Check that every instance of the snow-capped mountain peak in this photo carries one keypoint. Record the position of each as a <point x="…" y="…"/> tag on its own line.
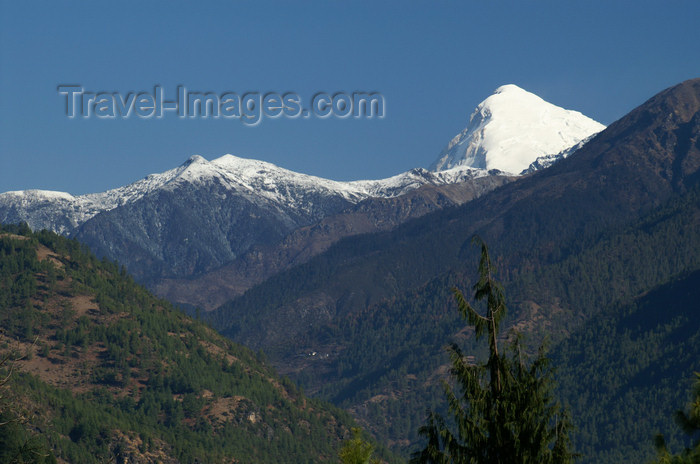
<point x="511" y="129"/>
<point x="507" y="132"/>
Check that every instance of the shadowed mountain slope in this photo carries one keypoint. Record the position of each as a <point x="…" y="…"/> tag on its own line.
<point x="613" y="220"/>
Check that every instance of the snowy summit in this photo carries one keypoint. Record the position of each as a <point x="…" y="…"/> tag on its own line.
<point x="511" y="132"/>
<point x="512" y="129"/>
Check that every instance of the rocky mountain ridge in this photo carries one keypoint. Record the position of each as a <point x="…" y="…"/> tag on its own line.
<point x="183" y="230"/>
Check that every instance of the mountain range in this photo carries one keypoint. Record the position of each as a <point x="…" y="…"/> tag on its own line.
<point x="347" y="286"/>
<point x="206" y="231"/>
<point x="594" y="231"/>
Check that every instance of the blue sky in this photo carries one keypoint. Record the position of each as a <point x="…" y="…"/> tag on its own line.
<point x="433" y="62"/>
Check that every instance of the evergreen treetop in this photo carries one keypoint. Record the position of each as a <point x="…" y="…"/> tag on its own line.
<point x="503" y="411"/>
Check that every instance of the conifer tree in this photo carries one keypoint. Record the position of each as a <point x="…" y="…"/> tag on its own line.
<point x="357" y="450"/>
<point x="17" y="444"/>
<point x="503" y="410"/>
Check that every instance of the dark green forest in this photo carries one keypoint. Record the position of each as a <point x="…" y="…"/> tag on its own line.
<point x="386" y="357"/>
<point x="623" y="372"/>
<point x="630" y="368"/>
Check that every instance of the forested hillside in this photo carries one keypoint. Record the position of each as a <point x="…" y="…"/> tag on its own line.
<point x="611" y="222"/>
<point x="106" y="371"/>
<point x="629" y="369"/>
<point x="385" y="361"/>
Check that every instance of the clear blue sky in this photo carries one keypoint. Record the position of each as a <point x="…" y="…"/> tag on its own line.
<point x="433" y="61"/>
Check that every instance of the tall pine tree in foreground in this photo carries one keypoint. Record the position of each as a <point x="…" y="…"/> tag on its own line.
<point x="503" y="410"/>
<point x="690" y="423"/>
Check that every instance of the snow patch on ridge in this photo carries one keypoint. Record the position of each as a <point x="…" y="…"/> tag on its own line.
<point x="252" y="179"/>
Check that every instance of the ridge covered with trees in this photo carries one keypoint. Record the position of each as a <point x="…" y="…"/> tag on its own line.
<point x="578" y="240"/>
<point x="107" y="371"/>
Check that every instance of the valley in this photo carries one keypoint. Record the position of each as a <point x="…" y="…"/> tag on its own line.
<point x="345" y="288"/>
